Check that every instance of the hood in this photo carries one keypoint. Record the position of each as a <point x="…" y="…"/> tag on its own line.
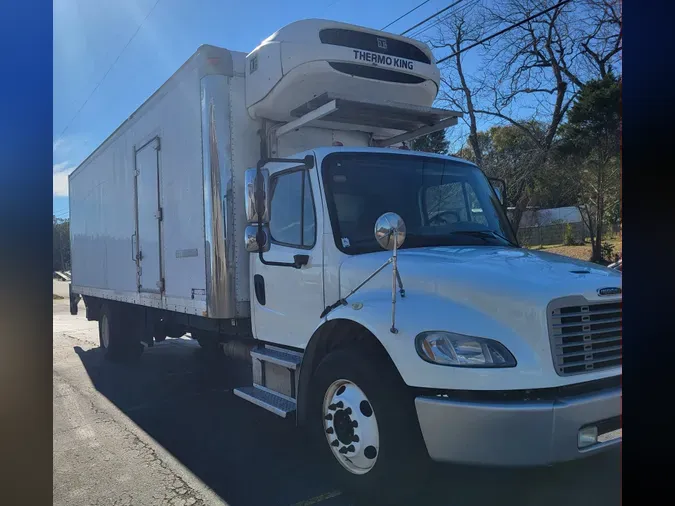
<point x="458" y="272"/>
<point x="495" y="292"/>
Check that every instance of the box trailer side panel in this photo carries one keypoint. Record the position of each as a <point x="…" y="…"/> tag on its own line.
<point x="138" y="203"/>
<point x="102" y="222"/>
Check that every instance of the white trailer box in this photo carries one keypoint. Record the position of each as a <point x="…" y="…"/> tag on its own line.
<point x="149" y="219"/>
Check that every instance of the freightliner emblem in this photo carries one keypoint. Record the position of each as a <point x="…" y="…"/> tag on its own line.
<point x="609" y="291"/>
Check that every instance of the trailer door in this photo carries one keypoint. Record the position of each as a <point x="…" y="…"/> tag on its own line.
<point x="148" y="218"/>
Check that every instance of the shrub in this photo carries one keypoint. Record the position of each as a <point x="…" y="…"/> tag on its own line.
<point x="568" y="235"/>
<point x="607" y="251"/>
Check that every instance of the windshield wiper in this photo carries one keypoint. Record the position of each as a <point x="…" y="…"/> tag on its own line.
<point x="484" y="233"/>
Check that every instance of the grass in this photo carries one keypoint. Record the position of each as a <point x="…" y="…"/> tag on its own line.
<point x="582" y="252"/>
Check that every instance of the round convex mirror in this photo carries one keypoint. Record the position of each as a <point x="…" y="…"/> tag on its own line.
<point x="390" y="227"/>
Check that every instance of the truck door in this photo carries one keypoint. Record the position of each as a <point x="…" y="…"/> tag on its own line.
<point x="148" y="218"/>
<point x="287" y="302"/>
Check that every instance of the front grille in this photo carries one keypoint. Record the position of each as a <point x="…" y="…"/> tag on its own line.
<point x="376" y="73"/>
<point x="585" y="337"/>
<point x="371" y="42"/>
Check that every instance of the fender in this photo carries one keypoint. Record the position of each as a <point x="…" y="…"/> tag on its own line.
<point x="415" y="313"/>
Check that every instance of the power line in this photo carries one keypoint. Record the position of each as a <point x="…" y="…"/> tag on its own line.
<point x="432" y="16"/>
<point x="404" y="15"/>
<point x="107" y="71"/>
<point x="423" y="29"/>
<point x="500" y="32"/>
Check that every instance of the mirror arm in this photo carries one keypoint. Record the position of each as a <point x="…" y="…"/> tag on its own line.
<point x="343" y="300"/>
<point x="400" y="283"/>
<point x="307" y="161"/>
<point x="298" y="260"/>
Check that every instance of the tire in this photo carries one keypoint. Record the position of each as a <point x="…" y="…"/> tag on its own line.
<point x="388" y="454"/>
<point x="117" y="338"/>
<point x="208" y="342"/>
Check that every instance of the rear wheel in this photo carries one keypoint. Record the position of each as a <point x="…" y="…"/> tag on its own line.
<point x="208" y="341"/>
<point x="115" y="336"/>
<point x="363" y="419"/>
<point x="104" y="331"/>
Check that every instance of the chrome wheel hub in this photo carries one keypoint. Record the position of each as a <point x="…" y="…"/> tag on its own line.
<point x="351" y="427"/>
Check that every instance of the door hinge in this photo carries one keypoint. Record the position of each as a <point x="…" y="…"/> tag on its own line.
<point x="159" y="214"/>
<point x="137" y="172"/>
<point x="160" y="285"/>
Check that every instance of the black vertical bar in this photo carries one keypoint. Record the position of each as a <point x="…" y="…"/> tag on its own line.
<point x="302" y="209"/>
<point x="466" y="202"/>
<point x="293" y="394"/>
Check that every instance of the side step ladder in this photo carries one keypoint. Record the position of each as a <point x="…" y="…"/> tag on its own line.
<point x="275" y="380"/>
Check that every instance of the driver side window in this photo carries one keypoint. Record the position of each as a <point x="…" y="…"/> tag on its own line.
<point x="292" y="215"/>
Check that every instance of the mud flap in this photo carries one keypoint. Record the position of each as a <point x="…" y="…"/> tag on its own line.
<point x="74" y="300"/>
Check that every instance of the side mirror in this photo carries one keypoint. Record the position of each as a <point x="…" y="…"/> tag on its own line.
<point x="499" y="186"/>
<point x="257" y="195"/>
<point x="251" y="239"/>
<point x="390" y="230"/>
<point x="499" y="195"/>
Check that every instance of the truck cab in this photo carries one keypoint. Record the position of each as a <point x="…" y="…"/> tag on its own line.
<point x="371" y="264"/>
<point x="525" y="345"/>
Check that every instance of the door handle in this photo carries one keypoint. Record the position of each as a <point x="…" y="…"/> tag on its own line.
<point x="259" y="286"/>
<point x="300" y="260"/>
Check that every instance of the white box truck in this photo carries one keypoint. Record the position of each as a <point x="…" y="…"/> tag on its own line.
<point x="256" y="203"/>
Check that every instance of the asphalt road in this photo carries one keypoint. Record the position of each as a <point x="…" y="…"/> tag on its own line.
<point x="169" y="431"/>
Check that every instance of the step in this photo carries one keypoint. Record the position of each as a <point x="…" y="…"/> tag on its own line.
<point x="278" y="404"/>
<point x="287" y="359"/>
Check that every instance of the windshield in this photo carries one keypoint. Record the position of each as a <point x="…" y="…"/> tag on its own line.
<point x="443" y="202"/>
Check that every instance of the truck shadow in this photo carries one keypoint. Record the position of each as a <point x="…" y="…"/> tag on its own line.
<point x="183" y="399"/>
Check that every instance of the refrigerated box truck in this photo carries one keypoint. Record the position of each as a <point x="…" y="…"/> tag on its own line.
<point x="262" y="204"/>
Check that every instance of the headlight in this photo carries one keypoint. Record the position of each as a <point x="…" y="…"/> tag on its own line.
<point x="446" y="348"/>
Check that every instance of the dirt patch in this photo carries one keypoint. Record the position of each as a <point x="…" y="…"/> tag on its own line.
<point x="56" y="297"/>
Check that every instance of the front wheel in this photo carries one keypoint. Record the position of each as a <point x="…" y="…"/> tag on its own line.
<point x="364" y="420"/>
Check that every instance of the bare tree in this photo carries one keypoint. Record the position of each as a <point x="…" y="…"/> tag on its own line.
<point x="529" y="70"/>
<point x="459" y="90"/>
<point x="528" y="77"/>
<point x="600" y="35"/>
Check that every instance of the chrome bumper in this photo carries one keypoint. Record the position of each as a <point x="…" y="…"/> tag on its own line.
<point x="522" y="433"/>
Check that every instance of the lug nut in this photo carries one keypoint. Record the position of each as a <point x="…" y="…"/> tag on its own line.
<point x="348" y="411"/>
<point x="328" y="417"/>
<point x="343" y="450"/>
<point x="335" y="443"/>
<point x="350" y="448"/>
<point x="355" y="424"/>
<point x="340" y="404"/>
<point x="332" y="407"/>
<point x="355" y="438"/>
<point x="329" y="430"/>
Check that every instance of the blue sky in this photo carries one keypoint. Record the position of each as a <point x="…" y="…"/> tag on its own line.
<point x="89" y="36"/>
